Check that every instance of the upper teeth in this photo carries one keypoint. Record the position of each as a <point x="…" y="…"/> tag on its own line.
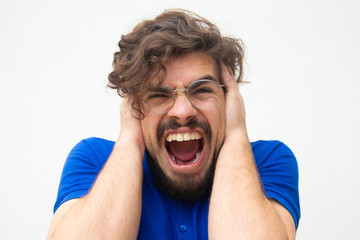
<point x="180" y="137"/>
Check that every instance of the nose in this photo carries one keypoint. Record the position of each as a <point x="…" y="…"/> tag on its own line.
<point x="182" y="109"/>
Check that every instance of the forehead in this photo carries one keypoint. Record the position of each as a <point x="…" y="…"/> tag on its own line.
<point x="184" y="69"/>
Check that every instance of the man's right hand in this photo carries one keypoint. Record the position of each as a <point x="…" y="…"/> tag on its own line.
<point x="130" y="127"/>
<point x="112" y="208"/>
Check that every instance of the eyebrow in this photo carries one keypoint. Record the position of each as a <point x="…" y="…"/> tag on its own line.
<point x="164" y="90"/>
<point x="205" y="77"/>
<point x="210" y="77"/>
<point x="160" y="89"/>
<point x="198" y="83"/>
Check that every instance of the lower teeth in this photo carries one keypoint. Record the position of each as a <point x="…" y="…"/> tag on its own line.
<point x="178" y="162"/>
<point x="197" y="156"/>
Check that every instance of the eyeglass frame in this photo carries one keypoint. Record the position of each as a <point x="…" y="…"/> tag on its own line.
<point x="185" y="90"/>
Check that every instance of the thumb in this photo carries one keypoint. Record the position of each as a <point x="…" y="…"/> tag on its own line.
<point x="229" y="80"/>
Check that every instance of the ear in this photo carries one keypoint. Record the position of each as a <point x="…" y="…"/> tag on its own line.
<point x="137" y="110"/>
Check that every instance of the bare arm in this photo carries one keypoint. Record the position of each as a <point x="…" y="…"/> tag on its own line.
<point x="238" y="206"/>
<point x="112" y="208"/>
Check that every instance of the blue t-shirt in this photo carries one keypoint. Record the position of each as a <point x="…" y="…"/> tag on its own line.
<point x="164" y="218"/>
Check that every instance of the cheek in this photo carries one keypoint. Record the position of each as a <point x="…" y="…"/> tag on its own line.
<point x="146" y="128"/>
<point x="149" y="126"/>
<point x="222" y="123"/>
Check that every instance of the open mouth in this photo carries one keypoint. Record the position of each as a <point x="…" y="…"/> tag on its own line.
<point x="184" y="148"/>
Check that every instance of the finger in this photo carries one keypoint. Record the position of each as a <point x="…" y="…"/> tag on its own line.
<point x="125" y="108"/>
<point x="229" y="79"/>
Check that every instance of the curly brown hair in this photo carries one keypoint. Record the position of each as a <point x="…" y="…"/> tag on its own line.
<point x="144" y="51"/>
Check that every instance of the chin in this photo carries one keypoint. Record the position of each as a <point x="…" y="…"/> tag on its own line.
<point x="183" y="163"/>
<point x="183" y="187"/>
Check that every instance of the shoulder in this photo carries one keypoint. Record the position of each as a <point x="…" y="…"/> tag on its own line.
<point x="269" y="146"/>
<point x="93" y="147"/>
<point x="278" y="170"/>
<point x="275" y="160"/>
<point x="271" y="150"/>
<point x="95" y="143"/>
<point x="81" y="168"/>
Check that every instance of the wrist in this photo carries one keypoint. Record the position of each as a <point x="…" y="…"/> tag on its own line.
<point x="237" y="135"/>
<point x="131" y="144"/>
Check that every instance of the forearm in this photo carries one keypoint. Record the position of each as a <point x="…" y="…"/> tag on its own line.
<point x="112" y="208"/>
<point x="238" y="206"/>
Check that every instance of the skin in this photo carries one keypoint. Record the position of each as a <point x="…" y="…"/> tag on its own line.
<point x="109" y="211"/>
<point x="180" y="72"/>
<point x="238" y="206"/>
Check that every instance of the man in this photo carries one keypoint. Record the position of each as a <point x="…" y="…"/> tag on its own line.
<point x="183" y="166"/>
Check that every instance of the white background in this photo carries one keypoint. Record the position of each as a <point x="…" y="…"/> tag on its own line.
<point x="302" y="60"/>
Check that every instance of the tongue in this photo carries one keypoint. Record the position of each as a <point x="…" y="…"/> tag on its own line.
<point x="184" y="151"/>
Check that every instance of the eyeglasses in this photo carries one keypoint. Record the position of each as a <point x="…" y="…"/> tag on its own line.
<point x="202" y="94"/>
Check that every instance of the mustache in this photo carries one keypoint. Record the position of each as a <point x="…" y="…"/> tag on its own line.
<point x="172" y="124"/>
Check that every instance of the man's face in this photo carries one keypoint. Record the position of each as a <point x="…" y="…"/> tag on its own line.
<point x="183" y="164"/>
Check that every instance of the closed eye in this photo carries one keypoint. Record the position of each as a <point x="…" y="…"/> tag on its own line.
<point x="158" y="95"/>
<point x="202" y="90"/>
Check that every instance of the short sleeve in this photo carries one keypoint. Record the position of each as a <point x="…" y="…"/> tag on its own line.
<point x="278" y="170"/>
<point x="81" y="168"/>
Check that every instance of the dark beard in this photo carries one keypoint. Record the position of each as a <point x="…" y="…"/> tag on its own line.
<point x="186" y="189"/>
